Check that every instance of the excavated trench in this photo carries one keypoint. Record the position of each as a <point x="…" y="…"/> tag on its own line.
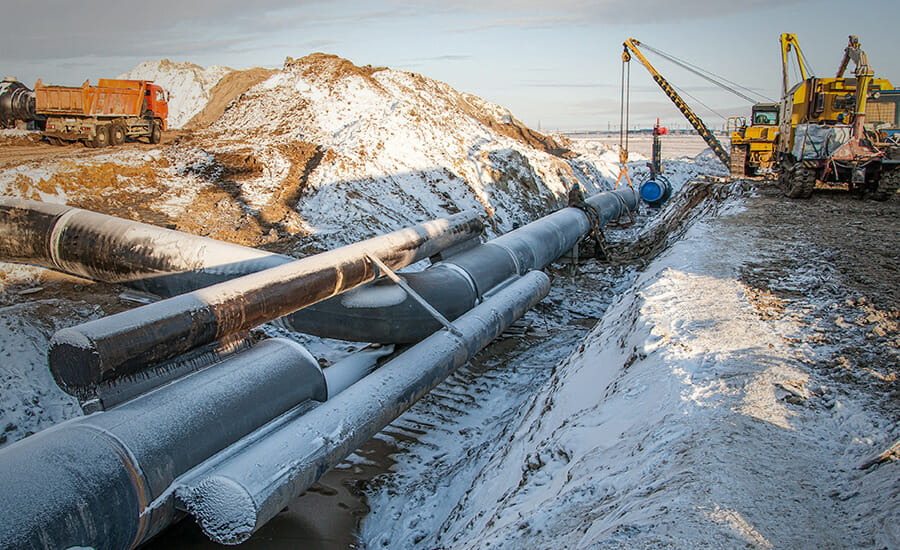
<point x="329" y="514"/>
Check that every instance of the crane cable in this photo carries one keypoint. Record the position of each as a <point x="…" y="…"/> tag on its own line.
<point x="695" y="98"/>
<point x="624" y="121"/>
<point x="624" y="110"/>
<point x="704" y="74"/>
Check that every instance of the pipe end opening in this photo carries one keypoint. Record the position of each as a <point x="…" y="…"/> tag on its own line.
<point x="74" y="360"/>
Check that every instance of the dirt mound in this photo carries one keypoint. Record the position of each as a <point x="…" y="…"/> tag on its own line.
<point x="330" y="67"/>
<point x="510" y="127"/>
<point x="229" y="88"/>
<point x="188" y="85"/>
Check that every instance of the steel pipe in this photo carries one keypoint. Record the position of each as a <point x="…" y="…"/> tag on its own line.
<point x="380" y="312"/>
<point x="106" y="348"/>
<point x="114" y="250"/>
<point x="103" y="480"/>
<point x="16" y="102"/>
<point x="377" y="312"/>
<point x="232" y="497"/>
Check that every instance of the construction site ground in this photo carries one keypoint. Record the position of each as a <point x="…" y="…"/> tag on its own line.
<point x="821" y="274"/>
<point x="766" y="342"/>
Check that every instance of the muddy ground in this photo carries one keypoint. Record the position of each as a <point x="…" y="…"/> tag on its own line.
<point x="835" y="259"/>
<point x="20" y="149"/>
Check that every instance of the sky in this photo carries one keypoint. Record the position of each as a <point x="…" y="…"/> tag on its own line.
<point x="555" y="64"/>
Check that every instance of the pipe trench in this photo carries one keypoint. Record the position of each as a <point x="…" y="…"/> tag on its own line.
<point x="235" y="442"/>
<point x="232" y="498"/>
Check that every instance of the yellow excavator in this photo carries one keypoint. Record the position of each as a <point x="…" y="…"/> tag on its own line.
<point x="842" y="129"/>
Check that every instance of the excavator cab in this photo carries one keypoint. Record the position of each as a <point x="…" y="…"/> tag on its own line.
<point x="765" y="114"/>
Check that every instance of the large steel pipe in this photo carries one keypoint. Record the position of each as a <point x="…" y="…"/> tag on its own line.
<point x="232" y="497"/>
<point x="114" y="250"/>
<point x="383" y="313"/>
<point x="16" y="102"/>
<point x="82" y="356"/>
<point x="103" y="480"/>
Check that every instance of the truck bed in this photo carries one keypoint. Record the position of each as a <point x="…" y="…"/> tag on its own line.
<point x="118" y="101"/>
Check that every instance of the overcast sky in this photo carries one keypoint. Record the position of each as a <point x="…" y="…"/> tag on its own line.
<point x="555" y="63"/>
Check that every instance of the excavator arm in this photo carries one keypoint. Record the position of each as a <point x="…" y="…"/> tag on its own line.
<point x="788" y="43"/>
<point x="631" y="47"/>
<point x="864" y="75"/>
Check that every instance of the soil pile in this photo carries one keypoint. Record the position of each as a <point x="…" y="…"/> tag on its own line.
<point x="189" y="85"/>
<point x="229" y="88"/>
<point x="413" y="146"/>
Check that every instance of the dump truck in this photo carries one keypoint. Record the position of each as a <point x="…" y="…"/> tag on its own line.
<point x="841" y="129"/>
<point x="106" y="114"/>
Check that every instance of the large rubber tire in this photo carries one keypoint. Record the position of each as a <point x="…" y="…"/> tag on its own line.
<point x="101" y="137"/>
<point x="888" y="183"/>
<point x="55" y="141"/>
<point x="800" y="181"/>
<point x="116" y="134"/>
<point x="155" y="132"/>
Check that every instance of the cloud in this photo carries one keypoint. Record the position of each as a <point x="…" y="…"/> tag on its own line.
<point x="539" y="14"/>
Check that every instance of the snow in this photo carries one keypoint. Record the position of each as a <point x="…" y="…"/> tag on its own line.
<point x="30" y="400"/>
<point x="188" y="85"/>
<point x="397" y="148"/>
<point x="684" y="419"/>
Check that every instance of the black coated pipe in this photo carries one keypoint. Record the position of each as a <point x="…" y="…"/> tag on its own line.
<point x="103" y="480"/>
<point x="16" y="102"/>
<point x="120" y="344"/>
<point x="115" y="250"/>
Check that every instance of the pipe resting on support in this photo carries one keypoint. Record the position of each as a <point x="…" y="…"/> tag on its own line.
<point x="381" y="312"/>
<point x="85" y="355"/>
<point x="114" y="250"/>
<point x="232" y="497"/>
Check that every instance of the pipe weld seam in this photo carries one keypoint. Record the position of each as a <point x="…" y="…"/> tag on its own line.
<point x="59" y="226"/>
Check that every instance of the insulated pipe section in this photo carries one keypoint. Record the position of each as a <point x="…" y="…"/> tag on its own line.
<point x="103" y="480"/>
<point x="114" y="250"/>
<point x="232" y="498"/>
<point x="16" y="102"/>
<point x="381" y="312"/>
<point x="87" y="354"/>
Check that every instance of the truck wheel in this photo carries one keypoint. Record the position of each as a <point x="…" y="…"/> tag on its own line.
<point x="155" y="132"/>
<point x="800" y="182"/>
<point x="888" y="184"/>
<point x="116" y="134"/>
<point x="101" y="137"/>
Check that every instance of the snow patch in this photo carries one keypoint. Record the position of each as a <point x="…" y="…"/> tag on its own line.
<point x="188" y="85"/>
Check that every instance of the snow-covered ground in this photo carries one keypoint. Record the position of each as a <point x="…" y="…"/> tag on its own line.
<point x="694" y="413"/>
<point x="688" y="418"/>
